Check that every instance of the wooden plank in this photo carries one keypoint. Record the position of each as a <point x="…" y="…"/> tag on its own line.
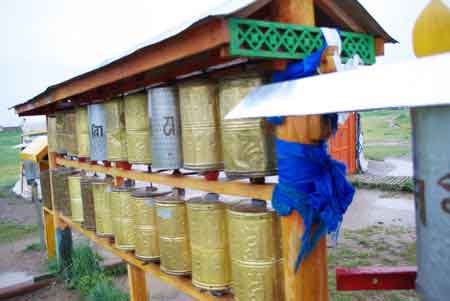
<point x="183" y="284"/>
<point x="48" y="211"/>
<point x="137" y="283"/>
<point x="310" y="282"/>
<point x="49" y="233"/>
<point x="294" y="11"/>
<point x="379" y="46"/>
<point x="338" y="15"/>
<point x="203" y="37"/>
<point x="376" y="278"/>
<point x="233" y="188"/>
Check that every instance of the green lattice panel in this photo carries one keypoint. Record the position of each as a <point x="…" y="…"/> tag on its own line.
<point x="255" y="38"/>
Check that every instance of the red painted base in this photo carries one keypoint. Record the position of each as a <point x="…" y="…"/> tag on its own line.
<point x="376" y="278"/>
<point x="211" y="175"/>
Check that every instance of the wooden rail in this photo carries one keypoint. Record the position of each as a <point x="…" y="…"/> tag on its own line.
<point x="181" y="283"/>
<point x="233" y="188"/>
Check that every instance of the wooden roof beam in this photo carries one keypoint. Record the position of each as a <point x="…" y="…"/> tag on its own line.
<point x="338" y="15"/>
<point x="202" y="37"/>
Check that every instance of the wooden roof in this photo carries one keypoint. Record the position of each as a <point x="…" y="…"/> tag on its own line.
<point x="198" y="47"/>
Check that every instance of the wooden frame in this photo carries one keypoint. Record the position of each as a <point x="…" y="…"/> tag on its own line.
<point x="199" y="47"/>
<point x="135" y="266"/>
<point x="257" y="191"/>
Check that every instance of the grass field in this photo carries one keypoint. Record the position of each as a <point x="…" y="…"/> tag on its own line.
<point x="10" y="232"/>
<point x="9" y="158"/>
<point x="373" y="246"/>
<point x="387" y="133"/>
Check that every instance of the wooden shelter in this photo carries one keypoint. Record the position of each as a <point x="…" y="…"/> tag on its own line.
<point x="261" y="36"/>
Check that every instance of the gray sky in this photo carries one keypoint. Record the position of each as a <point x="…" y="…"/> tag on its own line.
<point x="47" y="41"/>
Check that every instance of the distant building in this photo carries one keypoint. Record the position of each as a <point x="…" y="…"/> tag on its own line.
<point x="10" y="128"/>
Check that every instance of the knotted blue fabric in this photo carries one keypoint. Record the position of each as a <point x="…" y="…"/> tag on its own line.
<point x="314" y="185"/>
<point x="310" y="181"/>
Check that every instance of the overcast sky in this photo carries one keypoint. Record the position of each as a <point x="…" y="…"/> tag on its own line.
<point x="47" y="41"/>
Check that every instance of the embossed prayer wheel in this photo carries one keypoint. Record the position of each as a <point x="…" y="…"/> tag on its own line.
<point x="52" y="134"/>
<point x="61" y="190"/>
<point x="248" y="144"/>
<point x="88" y="202"/>
<point x="101" y="192"/>
<point x="200" y="125"/>
<point x="76" y="202"/>
<point x="174" y="242"/>
<point x="82" y="131"/>
<point x="146" y="230"/>
<point x="70" y="135"/>
<point x="255" y="251"/>
<point x="46" y="189"/>
<point x="60" y="132"/>
<point x="97" y="132"/>
<point x="115" y="130"/>
<point x="166" y="129"/>
<point x="211" y="269"/>
<point x="123" y="218"/>
<point x="138" y="132"/>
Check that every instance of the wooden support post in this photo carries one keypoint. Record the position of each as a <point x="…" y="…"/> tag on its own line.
<point x="49" y="233"/>
<point x="310" y="283"/>
<point x="48" y="219"/>
<point x="137" y="283"/>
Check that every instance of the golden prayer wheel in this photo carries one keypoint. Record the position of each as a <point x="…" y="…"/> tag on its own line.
<point x="82" y="131"/>
<point x="174" y="242"/>
<point x="208" y="231"/>
<point x="248" y="144"/>
<point x="60" y="132"/>
<point x="255" y="251"/>
<point x="60" y="189"/>
<point x="123" y="218"/>
<point x="115" y="130"/>
<point x="101" y="192"/>
<point x="88" y="202"/>
<point x="70" y="135"/>
<point x="200" y="125"/>
<point x="46" y="189"/>
<point x="138" y="133"/>
<point x="76" y="202"/>
<point x="146" y="230"/>
<point x="52" y="134"/>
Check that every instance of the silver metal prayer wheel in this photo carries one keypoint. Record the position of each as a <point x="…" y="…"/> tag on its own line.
<point x="138" y="132"/>
<point x="200" y="125"/>
<point x="166" y="130"/>
<point x="115" y="130"/>
<point x="97" y="132"/>
<point x="248" y="144"/>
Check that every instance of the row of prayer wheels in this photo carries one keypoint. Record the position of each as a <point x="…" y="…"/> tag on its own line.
<point x="223" y="246"/>
<point x="171" y="127"/>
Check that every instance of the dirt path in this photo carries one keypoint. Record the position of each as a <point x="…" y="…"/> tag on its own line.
<point x="17" y="210"/>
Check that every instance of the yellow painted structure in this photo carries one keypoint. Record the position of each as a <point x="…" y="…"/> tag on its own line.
<point x="36" y="150"/>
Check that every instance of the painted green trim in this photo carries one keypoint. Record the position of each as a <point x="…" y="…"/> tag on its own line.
<point x="255" y="38"/>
